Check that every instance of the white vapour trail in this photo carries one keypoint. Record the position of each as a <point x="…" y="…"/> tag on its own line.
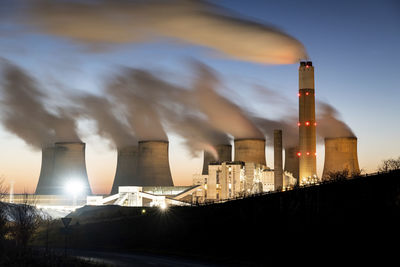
<point x="195" y="22"/>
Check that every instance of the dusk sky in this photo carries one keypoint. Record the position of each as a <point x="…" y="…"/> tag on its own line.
<point x="354" y="46"/>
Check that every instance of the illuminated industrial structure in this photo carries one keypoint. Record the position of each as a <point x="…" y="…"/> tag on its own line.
<point x="307" y="124"/>
<point x="228" y="180"/>
<point x="340" y="154"/>
<point x="62" y="165"/>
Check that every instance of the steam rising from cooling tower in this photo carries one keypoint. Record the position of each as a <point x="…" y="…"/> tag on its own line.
<point x="24" y="112"/>
<point x="194" y="22"/>
<point x="220" y="111"/>
<point x="108" y="124"/>
<point x="330" y="125"/>
<point x="224" y="153"/>
<point x="340" y="154"/>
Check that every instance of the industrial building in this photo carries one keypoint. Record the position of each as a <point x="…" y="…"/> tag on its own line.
<point x="229" y="180"/>
<point x="143" y="176"/>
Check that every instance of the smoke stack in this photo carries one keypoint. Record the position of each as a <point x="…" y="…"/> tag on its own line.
<point x="292" y="161"/>
<point x="224" y="154"/>
<point x="125" y="174"/>
<point x="250" y="150"/>
<point x="45" y="184"/>
<point x="69" y="166"/>
<point x="153" y="164"/>
<point x="278" y="171"/>
<point x="307" y="123"/>
<point x="340" y="154"/>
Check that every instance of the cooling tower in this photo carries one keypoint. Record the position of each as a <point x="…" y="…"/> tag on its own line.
<point x="250" y="150"/>
<point x="224" y="154"/>
<point x="292" y="161"/>
<point x="69" y="167"/>
<point x="125" y="174"/>
<point x="278" y="166"/>
<point x="341" y="154"/>
<point x="45" y="183"/>
<point x="153" y="164"/>
<point x="307" y="123"/>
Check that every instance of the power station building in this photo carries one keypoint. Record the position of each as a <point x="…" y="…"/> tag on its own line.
<point x="143" y="175"/>
<point x="228" y="180"/>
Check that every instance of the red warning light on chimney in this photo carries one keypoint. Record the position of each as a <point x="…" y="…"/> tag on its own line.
<point x="298" y="154"/>
<point x="298" y="124"/>
<point x="307" y="123"/>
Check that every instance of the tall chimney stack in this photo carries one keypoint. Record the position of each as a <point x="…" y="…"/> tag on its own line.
<point x="224" y="154"/>
<point x="125" y="174"/>
<point x="278" y="171"/>
<point x="307" y="123"/>
<point x="340" y="154"/>
<point x="153" y="164"/>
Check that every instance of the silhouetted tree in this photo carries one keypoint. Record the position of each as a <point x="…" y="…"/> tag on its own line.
<point x="389" y="165"/>
<point x="3" y="213"/>
<point x="337" y="175"/>
<point x="25" y="219"/>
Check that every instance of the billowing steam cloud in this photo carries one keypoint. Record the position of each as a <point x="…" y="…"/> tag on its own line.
<point x="24" y="114"/>
<point x="329" y="124"/>
<point x="164" y="102"/>
<point x="195" y="22"/>
<point x="108" y="125"/>
<point x="222" y="113"/>
<point x="290" y="135"/>
<point x="140" y="111"/>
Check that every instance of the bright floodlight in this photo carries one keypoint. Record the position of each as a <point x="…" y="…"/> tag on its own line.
<point x="163" y="206"/>
<point x="74" y="187"/>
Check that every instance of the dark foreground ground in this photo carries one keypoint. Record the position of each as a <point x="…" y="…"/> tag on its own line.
<point x="358" y="218"/>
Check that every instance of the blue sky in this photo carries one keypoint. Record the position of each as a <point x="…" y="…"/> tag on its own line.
<point x="354" y="46"/>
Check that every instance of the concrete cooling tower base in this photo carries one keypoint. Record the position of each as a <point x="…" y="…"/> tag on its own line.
<point x="63" y="170"/>
<point x="224" y="154"/>
<point x="250" y="150"/>
<point x="153" y="164"/>
<point x="340" y="154"/>
<point x="125" y="174"/>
